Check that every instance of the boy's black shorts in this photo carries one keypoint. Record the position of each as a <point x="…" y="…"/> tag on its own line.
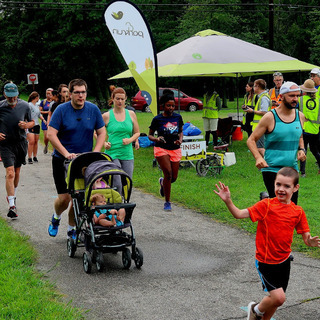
<point x="274" y="276"/>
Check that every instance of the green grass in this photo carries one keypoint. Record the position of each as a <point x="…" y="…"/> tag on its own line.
<point x="26" y="294"/>
<point x="244" y="180"/>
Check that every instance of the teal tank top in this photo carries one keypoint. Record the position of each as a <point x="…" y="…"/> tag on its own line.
<point x="282" y="144"/>
<point x="117" y="131"/>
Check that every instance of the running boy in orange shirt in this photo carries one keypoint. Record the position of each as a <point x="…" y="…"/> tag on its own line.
<point x="277" y="218"/>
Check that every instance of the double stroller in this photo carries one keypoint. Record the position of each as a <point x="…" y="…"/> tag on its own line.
<point x="82" y="174"/>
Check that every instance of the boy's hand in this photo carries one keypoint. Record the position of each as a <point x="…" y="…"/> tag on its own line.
<point x="314" y="241"/>
<point x="223" y="191"/>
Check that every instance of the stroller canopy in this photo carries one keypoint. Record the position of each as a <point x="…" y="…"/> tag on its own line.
<point x="107" y="170"/>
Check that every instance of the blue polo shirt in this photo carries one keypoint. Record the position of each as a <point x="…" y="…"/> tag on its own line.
<point x="76" y="126"/>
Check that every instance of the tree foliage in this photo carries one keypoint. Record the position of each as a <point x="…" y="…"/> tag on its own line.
<point x="62" y="40"/>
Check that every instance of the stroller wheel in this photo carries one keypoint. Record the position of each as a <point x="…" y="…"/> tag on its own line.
<point x="202" y="167"/>
<point x="100" y="261"/>
<point x="138" y="258"/>
<point x="126" y="258"/>
<point x="87" y="262"/>
<point x="72" y="247"/>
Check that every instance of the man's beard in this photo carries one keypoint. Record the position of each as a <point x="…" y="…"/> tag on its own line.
<point x="288" y="105"/>
<point x="12" y="103"/>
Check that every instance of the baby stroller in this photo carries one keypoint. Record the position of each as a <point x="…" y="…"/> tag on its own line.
<point x="97" y="239"/>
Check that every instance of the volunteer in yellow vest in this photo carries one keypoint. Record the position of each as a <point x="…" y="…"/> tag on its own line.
<point x="211" y="106"/>
<point x="309" y="105"/>
<point x="262" y="106"/>
<point x="249" y="101"/>
<point x="274" y="92"/>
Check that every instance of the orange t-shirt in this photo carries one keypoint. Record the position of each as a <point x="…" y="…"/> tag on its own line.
<point x="276" y="224"/>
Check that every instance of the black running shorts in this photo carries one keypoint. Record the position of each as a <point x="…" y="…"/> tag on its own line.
<point x="274" y="276"/>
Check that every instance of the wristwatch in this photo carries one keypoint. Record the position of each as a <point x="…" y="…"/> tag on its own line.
<point x="303" y="149"/>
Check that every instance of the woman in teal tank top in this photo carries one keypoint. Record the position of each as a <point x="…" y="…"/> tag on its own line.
<point x="122" y="129"/>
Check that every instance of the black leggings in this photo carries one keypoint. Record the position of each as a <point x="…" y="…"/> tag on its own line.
<point x="269" y="179"/>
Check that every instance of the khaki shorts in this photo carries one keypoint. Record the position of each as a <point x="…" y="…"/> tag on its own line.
<point x="210" y="124"/>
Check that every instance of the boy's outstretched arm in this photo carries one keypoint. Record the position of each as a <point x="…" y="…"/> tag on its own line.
<point x="225" y="195"/>
<point x="311" y="241"/>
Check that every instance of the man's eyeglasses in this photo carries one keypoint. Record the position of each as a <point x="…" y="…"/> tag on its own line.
<point x="79" y="92"/>
<point x="277" y="74"/>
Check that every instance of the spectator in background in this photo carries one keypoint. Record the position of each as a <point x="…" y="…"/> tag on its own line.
<point x="315" y="76"/>
<point x="274" y="92"/>
<point x="261" y="107"/>
<point x="34" y="132"/>
<point x="249" y="101"/>
<point x="44" y="109"/>
<point x="309" y="105"/>
<point x="210" y="114"/>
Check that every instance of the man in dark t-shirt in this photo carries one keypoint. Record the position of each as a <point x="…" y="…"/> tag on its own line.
<point x="15" y="118"/>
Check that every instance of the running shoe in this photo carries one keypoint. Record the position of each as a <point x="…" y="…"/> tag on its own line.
<point x="167" y="206"/>
<point x="53" y="227"/>
<point x="161" y="187"/>
<point x="30" y="161"/>
<point x="72" y="234"/>
<point x="251" y="314"/>
<point x="35" y="159"/>
<point x="12" y="213"/>
<point x="45" y="150"/>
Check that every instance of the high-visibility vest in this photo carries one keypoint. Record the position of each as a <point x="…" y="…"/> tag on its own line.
<point x="311" y="109"/>
<point x="272" y="94"/>
<point x="210" y="108"/>
<point x="257" y="117"/>
<point x="250" y="103"/>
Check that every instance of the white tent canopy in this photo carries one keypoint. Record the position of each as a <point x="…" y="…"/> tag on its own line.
<point x="211" y="53"/>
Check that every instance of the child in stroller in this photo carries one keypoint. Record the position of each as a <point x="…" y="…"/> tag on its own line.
<point x="105" y="217"/>
<point x="98" y="239"/>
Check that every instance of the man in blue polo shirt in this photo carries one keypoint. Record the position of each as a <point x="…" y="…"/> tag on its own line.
<point x="70" y="132"/>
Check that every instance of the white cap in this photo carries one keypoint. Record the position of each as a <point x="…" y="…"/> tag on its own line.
<point x="289" y="87"/>
<point x="315" y="71"/>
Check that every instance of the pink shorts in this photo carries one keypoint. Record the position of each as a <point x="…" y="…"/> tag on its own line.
<point x="175" y="155"/>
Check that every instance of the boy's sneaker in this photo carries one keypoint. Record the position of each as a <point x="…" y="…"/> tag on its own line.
<point x="72" y="234"/>
<point x="12" y="213"/>
<point x="45" y="150"/>
<point x="167" y="206"/>
<point x="53" y="227"/>
<point x="251" y="314"/>
<point x="35" y="159"/>
<point x="161" y="187"/>
<point x="30" y="161"/>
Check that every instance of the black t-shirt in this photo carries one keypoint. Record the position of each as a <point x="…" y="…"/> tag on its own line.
<point x="169" y="128"/>
<point x="9" y="120"/>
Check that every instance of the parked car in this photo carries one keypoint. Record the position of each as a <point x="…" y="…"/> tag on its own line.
<point x="187" y="103"/>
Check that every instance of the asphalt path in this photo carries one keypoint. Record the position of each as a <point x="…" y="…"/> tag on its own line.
<point x="194" y="267"/>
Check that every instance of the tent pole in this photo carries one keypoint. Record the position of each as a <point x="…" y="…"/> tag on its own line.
<point x="238" y="98"/>
<point x="178" y="94"/>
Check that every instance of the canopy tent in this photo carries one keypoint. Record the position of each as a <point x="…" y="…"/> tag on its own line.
<point x="214" y="54"/>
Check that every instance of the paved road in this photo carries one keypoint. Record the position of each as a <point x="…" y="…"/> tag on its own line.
<point x="194" y="268"/>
